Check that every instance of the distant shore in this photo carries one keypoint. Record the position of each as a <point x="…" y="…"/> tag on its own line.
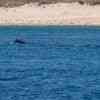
<point x="53" y="14"/>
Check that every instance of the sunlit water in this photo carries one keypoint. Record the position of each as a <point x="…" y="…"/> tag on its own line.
<point x="54" y="63"/>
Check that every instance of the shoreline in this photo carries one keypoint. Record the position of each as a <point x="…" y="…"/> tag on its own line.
<point x="52" y="14"/>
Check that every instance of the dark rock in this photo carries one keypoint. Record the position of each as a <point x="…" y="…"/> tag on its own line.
<point x="81" y="2"/>
<point x="19" y="41"/>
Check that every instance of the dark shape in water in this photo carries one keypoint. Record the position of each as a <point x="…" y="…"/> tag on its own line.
<point x="20" y="41"/>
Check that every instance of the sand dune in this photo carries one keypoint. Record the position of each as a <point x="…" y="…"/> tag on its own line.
<point x="52" y="14"/>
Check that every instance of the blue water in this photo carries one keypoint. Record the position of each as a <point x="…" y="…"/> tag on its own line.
<point x="55" y="63"/>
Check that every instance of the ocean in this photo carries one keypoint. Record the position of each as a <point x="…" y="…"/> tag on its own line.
<point x="49" y="62"/>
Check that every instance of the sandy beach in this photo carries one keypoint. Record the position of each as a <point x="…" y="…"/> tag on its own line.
<point x="52" y="14"/>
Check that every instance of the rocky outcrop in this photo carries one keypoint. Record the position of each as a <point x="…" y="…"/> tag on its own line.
<point x="12" y="3"/>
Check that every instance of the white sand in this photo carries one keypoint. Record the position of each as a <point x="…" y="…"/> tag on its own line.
<point x="53" y="14"/>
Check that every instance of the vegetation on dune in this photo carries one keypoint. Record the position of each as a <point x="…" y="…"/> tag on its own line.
<point x="12" y="3"/>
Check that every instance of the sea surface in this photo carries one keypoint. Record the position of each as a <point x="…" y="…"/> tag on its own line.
<point x="50" y="63"/>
